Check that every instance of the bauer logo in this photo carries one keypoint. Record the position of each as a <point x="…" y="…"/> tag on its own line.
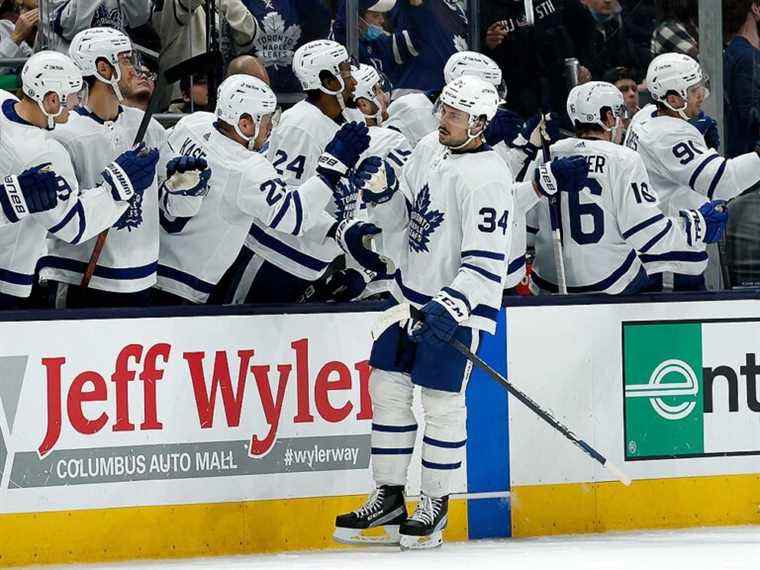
<point x="682" y="389"/>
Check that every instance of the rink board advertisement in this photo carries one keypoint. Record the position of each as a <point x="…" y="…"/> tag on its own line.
<point x="667" y="391"/>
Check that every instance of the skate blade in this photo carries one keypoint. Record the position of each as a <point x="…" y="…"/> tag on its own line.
<point x="380" y="536"/>
<point x="434" y="540"/>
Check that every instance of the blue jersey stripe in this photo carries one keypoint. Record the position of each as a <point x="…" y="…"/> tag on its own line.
<point x="283" y="249"/>
<point x="411" y="294"/>
<point x="643" y="225"/>
<point x="651" y="243"/>
<point x="457" y="295"/>
<point x="516" y="265"/>
<point x="442" y="466"/>
<point x="393" y="429"/>
<point x="597" y="287"/>
<point x="16" y="278"/>
<point x="483" y="253"/>
<point x="392" y="450"/>
<point x="122" y="273"/>
<point x="444" y="444"/>
<point x="186" y="279"/>
<point x="716" y="179"/>
<point x="487" y="274"/>
<point x="700" y="168"/>
<point x="693" y="256"/>
<point x="66" y="219"/>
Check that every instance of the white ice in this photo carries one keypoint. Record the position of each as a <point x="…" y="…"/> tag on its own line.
<point x="728" y="548"/>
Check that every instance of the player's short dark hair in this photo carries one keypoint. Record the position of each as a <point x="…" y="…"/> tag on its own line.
<point x="622" y="72"/>
<point x="585" y="128"/>
<point x="188" y="80"/>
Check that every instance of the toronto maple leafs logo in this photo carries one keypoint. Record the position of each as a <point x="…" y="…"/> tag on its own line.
<point x="132" y="218"/>
<point x="423" y="222"/>
<point x="457" y="7"/>
<point x="107" y="18"/>
<point x="274" y="43"/>
<point x="345" y="196"/>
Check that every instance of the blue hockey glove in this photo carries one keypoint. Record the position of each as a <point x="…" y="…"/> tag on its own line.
<point x="708" y="126"/>
<point x="34" y="190"/>
<point x="505" y="126"/>
<point x="706" y="224"/>
<point x="561" y="174"/>
<point x="355" y="238"/>
<point x="342" y="153"/>
<point x="132" y="172"/>
<point x="187" y="176"/>
<point x="532" y="126"/>
<point x="436" y="326"/>
<point x="376" y="180"/>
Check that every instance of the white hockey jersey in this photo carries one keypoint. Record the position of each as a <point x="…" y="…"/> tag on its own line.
<point x="77" y="217"/>
<point x="412" y="116"/>
<point x="197" y="250"/>
<point x="454" y="211"/>
<point x="612" y="226"/>
<point x="683" y="171"/>
<point x="129" y="259"/>
<point x="294" y="150"/>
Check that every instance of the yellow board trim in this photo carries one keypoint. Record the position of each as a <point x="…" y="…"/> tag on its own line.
<point x="653" y="503"/>
<point x="183" y="531"/>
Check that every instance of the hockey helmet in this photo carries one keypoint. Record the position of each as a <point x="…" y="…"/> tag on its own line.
<point x="474" y="63"/>
<point x="50" y="72"/>
<point x="675" y="73"/>
<point x="587" y="102"/>
<point x="240" y="95"/>
<point x="90" y="45"/>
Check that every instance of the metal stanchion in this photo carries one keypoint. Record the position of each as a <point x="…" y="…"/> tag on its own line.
<point x="352" y="27"/>
<point x="473" y="17"/>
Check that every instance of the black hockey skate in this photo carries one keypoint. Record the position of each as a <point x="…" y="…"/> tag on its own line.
<point x="424" y="529"/>
<point x="384" y="509"/>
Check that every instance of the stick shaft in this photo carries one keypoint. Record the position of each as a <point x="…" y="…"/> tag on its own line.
<point x="555" y="217"/>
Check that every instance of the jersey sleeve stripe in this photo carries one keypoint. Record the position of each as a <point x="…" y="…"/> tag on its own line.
<point x="716" y="179"/>
<point x="441" y="466"/>
<point x="648" y="245"/>
<point x="65" y="220"/>
<point x="532" y="230"/>
<point x="100" y="271"/>
<point x="16" y="278"/>
<point x="695" y="256"/>
<point x="285" y="250"/>
<point x="486" y="312"/>
<point x="643" y="225"/>
<point x="516" y="265"/>
<point x="700" y="168"/>
<point x="82" y="223"/>
<point x="281" y="213"/>
<point x="483" y="253"/>
<point x="186" y="279"/>
<point x="414" y="296"/>
<point x="457" y="295"/>
<point x="487" y="274"/>
<point x="299" y="213"/>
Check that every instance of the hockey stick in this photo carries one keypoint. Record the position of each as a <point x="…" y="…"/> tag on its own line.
<point x="405" y="311"/>
<point x="141" y="131"/>
<point x="555" y="216"/>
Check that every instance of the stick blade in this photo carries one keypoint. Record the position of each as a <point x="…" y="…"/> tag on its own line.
<point x="618" y="473"/>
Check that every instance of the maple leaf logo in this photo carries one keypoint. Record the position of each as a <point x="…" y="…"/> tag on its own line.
<point x="460" y="44"/>
<point x="423" y="222"/>
<point x="275" y="43"/>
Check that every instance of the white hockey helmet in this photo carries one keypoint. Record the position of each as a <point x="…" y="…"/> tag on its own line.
<point x="313" y="58"/>
<point x="368" y="80"/>
<point x="50" y="72"/>
<point x="240" y="95"/>
<point x="90" y="45"/>
<point x="590" y="101"/>
<point x="474" y="96"/>
<point x="474" y="63"/>
<point x="675" y="73"/>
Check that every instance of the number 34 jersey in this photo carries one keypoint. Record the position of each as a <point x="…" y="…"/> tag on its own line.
<point x="611" y="227"/>
<point x="455" y="211"/>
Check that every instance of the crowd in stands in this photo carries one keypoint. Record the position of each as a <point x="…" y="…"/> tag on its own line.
<point x="409" y="42"/>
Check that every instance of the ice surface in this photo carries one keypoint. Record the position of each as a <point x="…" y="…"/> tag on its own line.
<point x="726" y="548"/>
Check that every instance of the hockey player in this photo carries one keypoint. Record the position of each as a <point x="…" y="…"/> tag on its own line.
<point x="93" y="136"/>
<point x="385" y="145"/>
<point x="49" y="79"/>
<point x="614" y="226"/>
<point x="197" y="249"/>
<point x="684" y="171"/>
<point x="453" y="208"/>
<point x="270" y="257"/>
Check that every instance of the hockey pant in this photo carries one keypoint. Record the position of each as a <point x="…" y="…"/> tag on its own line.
<point x="398" y="364"/>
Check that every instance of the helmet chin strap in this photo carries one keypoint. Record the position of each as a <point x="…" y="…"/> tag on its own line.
<point x="113" y="82"/>
<point x="50" y="117"/>
<point x="681" y="112"/>
<point x="251" y="141"/>
<point x="337" y="94"/>
<point x="470" y="137"/>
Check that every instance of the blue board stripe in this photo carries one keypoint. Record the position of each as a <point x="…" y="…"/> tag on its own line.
<point x="488" y="441"/>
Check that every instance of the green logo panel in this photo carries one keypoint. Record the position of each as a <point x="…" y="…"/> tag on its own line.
<point x="662" y="375"/>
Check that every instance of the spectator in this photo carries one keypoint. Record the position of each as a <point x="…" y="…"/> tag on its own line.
<point x="742" y="75"/>
<point x="138" y="88"/>
<point x="382" y="50"/>
<point x="18" y="30"/>
<point x="248" y="65"/>
<point x="532" y="60"/>
<point x="194" y="95"/>
<point x="600" y="36"/>
<point x="627" y="80"/>
<point x="68" y="17"/>
<point x="678" y="30"/>
<point x="285" y="26"/>
<point x="640" y="17"/>
<point x="742" y="93"/>
<point x="173" y="18"/>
